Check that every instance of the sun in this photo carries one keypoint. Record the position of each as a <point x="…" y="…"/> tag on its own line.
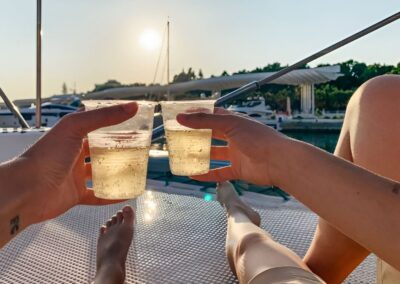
<point x="149" y="40"/>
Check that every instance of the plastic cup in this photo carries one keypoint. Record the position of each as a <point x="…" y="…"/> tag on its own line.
<point x="188" y="149"/>
<point x="119" y="153"/>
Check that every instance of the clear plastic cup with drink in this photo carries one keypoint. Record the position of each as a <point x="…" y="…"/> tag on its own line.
<point x="188" y="149"/>
<point x="119" y="153"/>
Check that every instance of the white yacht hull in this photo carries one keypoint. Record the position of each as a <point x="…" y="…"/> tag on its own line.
<point x="14" y="141"/>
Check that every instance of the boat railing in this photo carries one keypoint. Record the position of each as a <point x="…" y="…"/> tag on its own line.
<point x="14" y="110"/>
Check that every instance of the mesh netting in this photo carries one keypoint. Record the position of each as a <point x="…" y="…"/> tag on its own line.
<point x="178" y="239"/>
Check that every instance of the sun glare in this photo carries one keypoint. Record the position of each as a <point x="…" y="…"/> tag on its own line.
<point x="149" y="40"/>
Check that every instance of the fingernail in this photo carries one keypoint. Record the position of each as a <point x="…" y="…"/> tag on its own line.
<point x="129" y="107"/>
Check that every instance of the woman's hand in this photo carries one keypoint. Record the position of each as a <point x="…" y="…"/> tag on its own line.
<point x="54" y="168"/>
<point x="251" y="146"/>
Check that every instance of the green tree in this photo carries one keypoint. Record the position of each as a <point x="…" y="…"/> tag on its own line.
<point x="107" y="85"/>
<point x="336" y="94"/>
<point x="396" y="70"/>
<point x="184" y="77"/>
<point x="200" y="75"/>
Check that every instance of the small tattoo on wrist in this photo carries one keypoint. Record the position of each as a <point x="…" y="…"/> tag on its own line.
<point x="14" y="225"/>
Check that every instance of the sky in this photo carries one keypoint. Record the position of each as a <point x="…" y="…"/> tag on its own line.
<point x="90" y="41"/>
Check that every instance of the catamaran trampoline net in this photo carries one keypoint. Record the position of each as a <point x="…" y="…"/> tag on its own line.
<point x="178" y="239"/>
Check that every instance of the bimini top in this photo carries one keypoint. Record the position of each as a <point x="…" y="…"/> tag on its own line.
<point x="214" y="84"/>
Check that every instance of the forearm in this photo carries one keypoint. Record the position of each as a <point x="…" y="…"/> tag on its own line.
<point x="15" y="212"/>
<point x="362" y="205"/>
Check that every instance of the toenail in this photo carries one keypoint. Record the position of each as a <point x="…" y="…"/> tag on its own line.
<point x="127" y="209"/>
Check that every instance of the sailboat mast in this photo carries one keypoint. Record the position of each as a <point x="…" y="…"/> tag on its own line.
<point x="168" y="52"/>
<point x="38" y="112"/>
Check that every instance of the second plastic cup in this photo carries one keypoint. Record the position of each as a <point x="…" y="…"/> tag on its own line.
<point x="119" y="153"/>
<point x="188" y="149"/>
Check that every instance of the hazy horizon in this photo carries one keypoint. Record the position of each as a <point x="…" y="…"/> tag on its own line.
<point x="88" y="41"/>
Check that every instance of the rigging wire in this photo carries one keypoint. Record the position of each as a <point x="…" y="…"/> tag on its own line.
<point x="164" y="72"/>
<point x="159" y="57"/>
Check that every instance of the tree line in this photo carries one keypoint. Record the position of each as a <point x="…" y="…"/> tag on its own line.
<point x="332" y="95"/>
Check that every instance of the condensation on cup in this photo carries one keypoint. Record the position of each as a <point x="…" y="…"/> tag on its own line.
<point x="188" y="149"/>
<point x="119" y="153"/>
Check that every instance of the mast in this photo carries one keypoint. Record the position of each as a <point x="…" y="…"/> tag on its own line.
<point x="168" y="93"/>
<point x="168" y="51"/>
<point x="38" y="111"/>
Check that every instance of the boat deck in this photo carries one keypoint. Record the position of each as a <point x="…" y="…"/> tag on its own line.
<point x="179" y="238"/>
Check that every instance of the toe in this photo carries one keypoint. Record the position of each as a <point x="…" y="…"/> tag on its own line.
<point x="128" y="214"/>
<point x="108" y="223"/>
<point x="114" y="220"/>
<point x="120" y="217"/>
<point x="102" y="230"/>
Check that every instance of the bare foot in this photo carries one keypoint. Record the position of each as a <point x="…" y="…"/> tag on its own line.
<point x="113" y="245"/>
<point x="230" y="200"/>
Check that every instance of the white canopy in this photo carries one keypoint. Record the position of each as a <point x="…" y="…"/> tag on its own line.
<point x="296" y="77"/>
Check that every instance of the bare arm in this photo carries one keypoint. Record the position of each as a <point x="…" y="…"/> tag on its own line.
<point x="362" y="205"/>
<point x="332" y="255"/>
<point x="369" y="138"/>
<point x="14" y="196"/>
<point x="50" y="177"/>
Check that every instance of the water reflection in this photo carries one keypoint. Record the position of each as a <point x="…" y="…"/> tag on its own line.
<point x="208" y="197"/>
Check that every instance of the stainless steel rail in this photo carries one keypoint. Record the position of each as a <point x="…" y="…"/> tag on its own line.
<point x="253" y="86"/>
<point x="38" y="112"/>
<point x="14" y="110"/>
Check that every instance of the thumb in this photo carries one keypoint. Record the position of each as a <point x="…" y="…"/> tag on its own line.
<point x="64" y="140"/>
<point x="81" y="123"/>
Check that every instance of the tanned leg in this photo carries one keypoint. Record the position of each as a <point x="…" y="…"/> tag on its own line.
<point x="250" y="249"/>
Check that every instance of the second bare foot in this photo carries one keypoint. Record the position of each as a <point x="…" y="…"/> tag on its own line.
<point x="230" y="200"/>
<point x="113" y="245"/>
